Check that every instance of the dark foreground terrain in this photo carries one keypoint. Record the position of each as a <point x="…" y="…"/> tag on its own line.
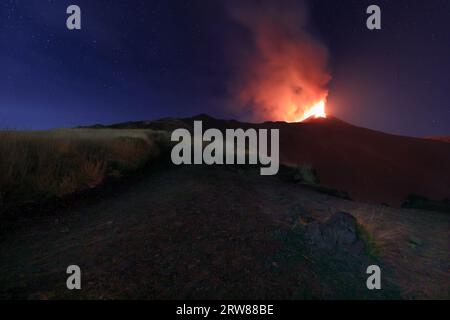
<point x="224" y="232"/>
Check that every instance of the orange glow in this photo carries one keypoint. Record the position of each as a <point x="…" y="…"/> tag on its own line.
<point x="317" y="110"/>
<point x="284" y="75"/>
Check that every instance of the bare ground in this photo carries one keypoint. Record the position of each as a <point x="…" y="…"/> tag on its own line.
<point x="218" y="233"/>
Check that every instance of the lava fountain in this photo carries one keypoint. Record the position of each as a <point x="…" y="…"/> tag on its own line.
<point x="315" y="111"/>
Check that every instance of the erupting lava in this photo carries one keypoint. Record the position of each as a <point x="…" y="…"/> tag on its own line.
<point x="281" y="71"/>
<point x="316" y="111"/>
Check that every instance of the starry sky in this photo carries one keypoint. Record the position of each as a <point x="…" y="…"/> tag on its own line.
<point x="141" y="60"/>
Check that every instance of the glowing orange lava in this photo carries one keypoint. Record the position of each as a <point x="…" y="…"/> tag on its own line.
<point x="315" y="111"/>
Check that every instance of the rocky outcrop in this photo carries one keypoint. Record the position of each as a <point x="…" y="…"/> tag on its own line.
<point x="339" y="232"/>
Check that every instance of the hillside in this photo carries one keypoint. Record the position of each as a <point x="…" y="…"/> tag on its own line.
<point x="371" y="166"/>
<point x="226" y="232"/>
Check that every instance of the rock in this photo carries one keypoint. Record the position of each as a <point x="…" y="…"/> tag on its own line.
<point x="338" y="232"/>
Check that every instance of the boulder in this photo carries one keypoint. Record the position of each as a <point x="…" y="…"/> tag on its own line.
<point x="339" y="232"/>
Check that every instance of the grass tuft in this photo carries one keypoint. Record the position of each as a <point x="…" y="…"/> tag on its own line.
<point x="372" y="246"/>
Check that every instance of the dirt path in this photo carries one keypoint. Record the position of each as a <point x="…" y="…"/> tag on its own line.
<point x="213" y="233"/>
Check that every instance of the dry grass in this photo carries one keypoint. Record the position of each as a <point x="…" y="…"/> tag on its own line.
<point x="382" y="235"/>
<point x="412" y="243"/>
<point x="39" y="165"/>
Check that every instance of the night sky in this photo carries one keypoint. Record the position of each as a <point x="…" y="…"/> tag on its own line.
<point x="141" y="60"/>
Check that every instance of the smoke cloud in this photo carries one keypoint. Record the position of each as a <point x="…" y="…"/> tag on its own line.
<point x="281" y="70"/>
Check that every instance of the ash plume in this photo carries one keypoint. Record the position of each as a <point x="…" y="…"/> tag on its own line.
<point x="281" y="69"/>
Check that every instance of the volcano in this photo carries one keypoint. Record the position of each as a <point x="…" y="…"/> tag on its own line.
<point x="369" y="165"/>
<point x="168" y="231"/>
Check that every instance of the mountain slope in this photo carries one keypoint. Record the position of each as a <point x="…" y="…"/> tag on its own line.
<point x="371" y="166"/>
